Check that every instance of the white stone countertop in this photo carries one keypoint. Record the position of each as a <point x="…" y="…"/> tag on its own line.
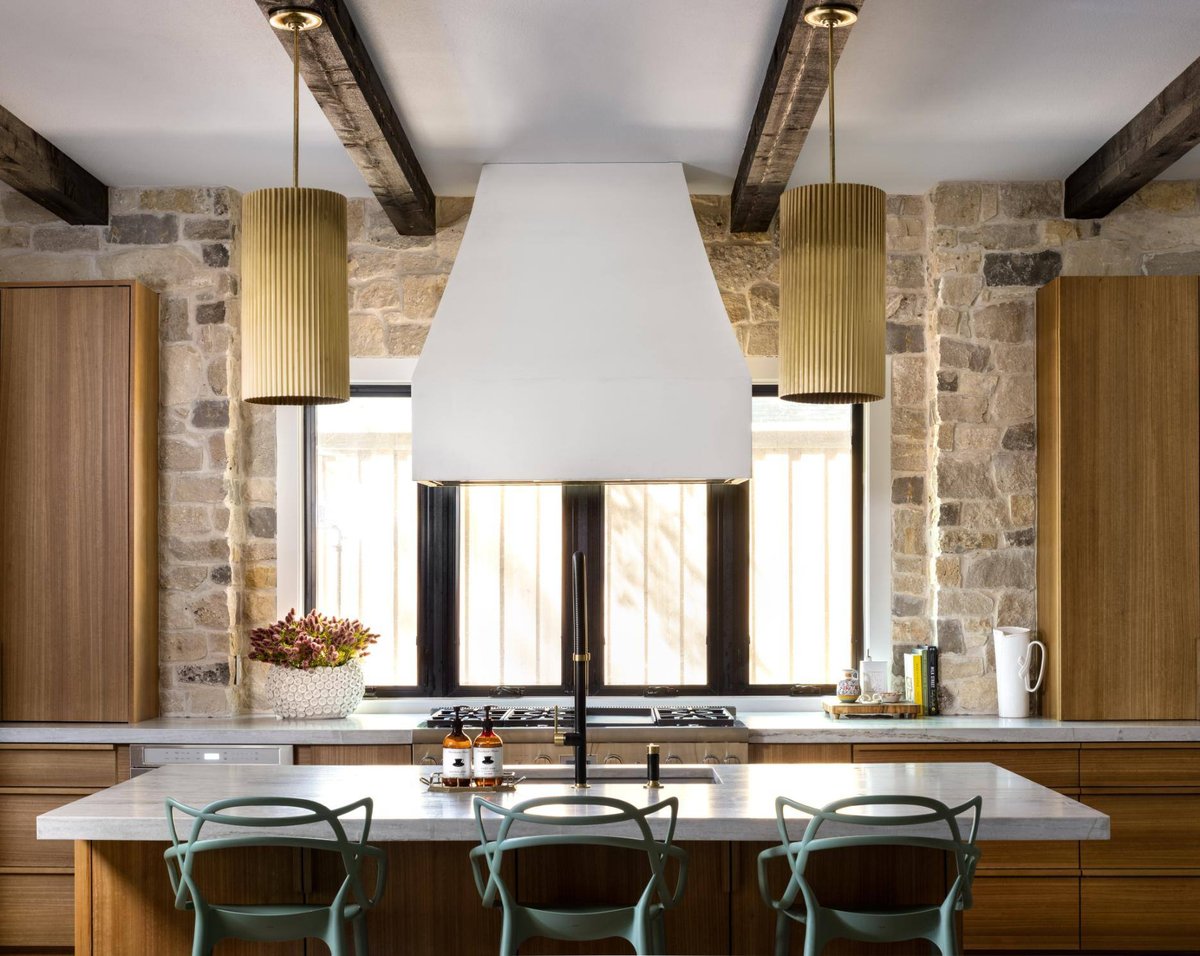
<point x="715" y="803"/>
<point x="813" y="728"/>
<point x="759" y="727"/>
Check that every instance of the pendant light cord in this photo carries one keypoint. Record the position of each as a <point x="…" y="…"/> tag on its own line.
<point x="295" y="105"/>
<point x="829" y="22"/>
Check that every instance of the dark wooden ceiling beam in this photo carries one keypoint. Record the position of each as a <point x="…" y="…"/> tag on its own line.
<point x="341" y="76"/>
<point x="792" y="91"/>
<point x="1166" y="129"/>
<point x="33" y="165"/>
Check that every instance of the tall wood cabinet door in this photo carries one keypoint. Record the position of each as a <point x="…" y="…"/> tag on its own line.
<point x="64" y="503"/>
<point x="1120" y="434"/>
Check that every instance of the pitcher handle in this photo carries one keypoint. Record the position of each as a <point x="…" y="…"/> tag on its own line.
<point x="1024" y="662"/>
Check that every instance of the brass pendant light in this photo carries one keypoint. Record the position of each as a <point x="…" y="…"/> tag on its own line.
<point x="831" y="238"/>
<point x="295" y="318"/>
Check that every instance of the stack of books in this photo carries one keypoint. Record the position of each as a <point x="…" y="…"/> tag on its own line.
<point x="921" y="678"/>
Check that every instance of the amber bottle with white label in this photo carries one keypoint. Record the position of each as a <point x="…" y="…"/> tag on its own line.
<point x="456" y="755"/>
<point x="488" y="754"/>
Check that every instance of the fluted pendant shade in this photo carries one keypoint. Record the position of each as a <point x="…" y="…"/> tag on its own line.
<point x="295" y="320"/>
<point x="831" y="328"/>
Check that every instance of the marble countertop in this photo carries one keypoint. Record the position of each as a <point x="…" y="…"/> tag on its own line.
<point x="759" y="727"/>
<point x="813" y="728"/>
<point x="715" y="803"/>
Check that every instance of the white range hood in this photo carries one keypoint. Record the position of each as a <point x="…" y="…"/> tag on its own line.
<point x="581" y="337"/>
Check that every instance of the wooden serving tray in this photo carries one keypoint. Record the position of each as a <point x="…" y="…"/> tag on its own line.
<point x="836" y="709"/>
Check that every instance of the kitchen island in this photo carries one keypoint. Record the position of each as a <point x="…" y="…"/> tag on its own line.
<point x="726" y="816"/>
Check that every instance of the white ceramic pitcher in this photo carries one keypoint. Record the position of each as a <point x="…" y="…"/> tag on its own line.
<point x="1013" y="685"/>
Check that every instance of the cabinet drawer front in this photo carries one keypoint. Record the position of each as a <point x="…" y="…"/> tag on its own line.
<point x="1154" y="831"/>
<point x="1051" y="766"/>
<point x="1142" y="766"/>
<point x="46" y="767"/>
<point x="1141" y="913"/>
<point x="37" y="910"/>
<point x="1037" y="914"/>
<point x="1029" y="855"/>
<point x="800" y="753"/>
<point x="355" y="754"/>
<point x="19" y="845"/>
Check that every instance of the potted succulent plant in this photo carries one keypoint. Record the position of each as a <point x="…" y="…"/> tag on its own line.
<point x="314" y="664"/>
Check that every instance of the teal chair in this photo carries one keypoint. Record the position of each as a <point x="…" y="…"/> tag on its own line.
<point x="278" y="922"/>
<point x="642" y="924"/>
<point x="896" y="924"/>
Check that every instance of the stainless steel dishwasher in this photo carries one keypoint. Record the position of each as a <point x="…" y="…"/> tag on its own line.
<point x="146" y="757"/>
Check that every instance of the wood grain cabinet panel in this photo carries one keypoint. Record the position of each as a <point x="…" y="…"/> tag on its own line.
<point x="1139" y="765"/>
<point x="78" y="765"/>
<point x="1118" y="523"/>
<point x="38" y="910"/>
<point x="147" y="922"/>
<point x="78" y="502"/>
<point x="355" y="754"/>
<point x="1132" y="914"/>
<point x="1149" y="831"/>
<point x="1028" y="854"/>
<point x="19" y="845"/>
<point x="800" y="753"/>
<point x="1052" y="765"/>
<point x="1030" y="914"/>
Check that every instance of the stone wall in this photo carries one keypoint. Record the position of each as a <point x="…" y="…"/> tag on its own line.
<point x="963" y="264"/>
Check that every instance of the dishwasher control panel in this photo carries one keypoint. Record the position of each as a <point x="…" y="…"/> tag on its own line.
<point x="146" y="757"/>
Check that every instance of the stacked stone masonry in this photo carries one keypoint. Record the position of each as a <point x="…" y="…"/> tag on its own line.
<point x="963" y="264"/>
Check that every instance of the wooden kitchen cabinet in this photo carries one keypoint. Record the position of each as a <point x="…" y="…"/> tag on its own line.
<point x="78" y="502"/>
<point x="332" y="755"/>
<point x="1141" y="913"/>
<point x="1118" y="477"/>
<point x="1023" y="913"/>
<point x="800" y="753"/>
<point x="36" y="876"/>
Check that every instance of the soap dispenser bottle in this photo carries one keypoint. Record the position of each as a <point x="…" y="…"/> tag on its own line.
<point x="488" y="762"/>
<point x="456" y="754"/>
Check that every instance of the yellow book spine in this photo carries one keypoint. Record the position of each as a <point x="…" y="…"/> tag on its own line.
<point x="918" y="683"/>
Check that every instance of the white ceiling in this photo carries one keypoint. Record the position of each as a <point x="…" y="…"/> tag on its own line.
<point x="174" y="92"/>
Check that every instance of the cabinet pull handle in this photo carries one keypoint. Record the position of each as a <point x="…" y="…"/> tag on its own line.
<point x="732" y="758"/>
<point x="542" y="758"/>
<point x="613" y="758"/>
<point x="673" y="758"/>
<point x="428" y="761"/>
<point x="712" y="758"/>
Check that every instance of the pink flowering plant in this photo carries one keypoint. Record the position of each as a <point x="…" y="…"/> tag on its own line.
<point x="311" y="641"/>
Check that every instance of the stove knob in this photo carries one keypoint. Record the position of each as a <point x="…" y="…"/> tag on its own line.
<point x="672" y="758"/>
<point x="731" y="758"/>
<point x="542" y="758"/>
<point x="613" y="758"/>
<point x="711" y="758"/>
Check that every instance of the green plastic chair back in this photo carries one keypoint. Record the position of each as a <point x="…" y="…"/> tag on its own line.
<point x="276" y="922"/>
<point x="799" y="902"/>
<point x="642" y="923"/>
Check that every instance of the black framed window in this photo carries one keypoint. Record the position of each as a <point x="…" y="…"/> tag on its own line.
<point x="721" y="589"/>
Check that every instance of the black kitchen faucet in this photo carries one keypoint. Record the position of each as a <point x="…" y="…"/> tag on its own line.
<point x="577" y="738"/>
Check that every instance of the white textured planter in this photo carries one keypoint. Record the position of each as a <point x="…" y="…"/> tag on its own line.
<point x="316" y="692"/>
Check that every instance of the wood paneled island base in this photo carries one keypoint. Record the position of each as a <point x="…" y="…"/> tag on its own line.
<point x="431" y="904"/>
<point x="124" y="903"/>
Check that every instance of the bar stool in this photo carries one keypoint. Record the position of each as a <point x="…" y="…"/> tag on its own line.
<point x="277" y="922"/>
<point x="641" y="924"/>
<point x="895" y="924"/>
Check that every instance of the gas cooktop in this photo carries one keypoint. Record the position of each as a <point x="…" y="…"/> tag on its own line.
<point x="600" y="716"/>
